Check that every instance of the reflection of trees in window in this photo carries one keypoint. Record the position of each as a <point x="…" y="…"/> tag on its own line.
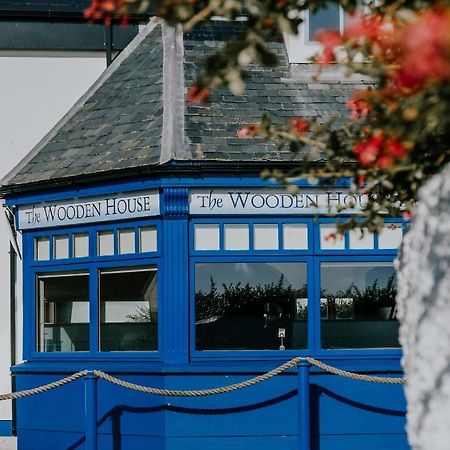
<point x="142" y="314"/>
<point x="357" y="303"/>
<point x="250" y="300"/>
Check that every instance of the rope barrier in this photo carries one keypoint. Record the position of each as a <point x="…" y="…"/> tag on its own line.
<point x="204" y="392"/>
<point x="354" y="375"/>
<point x="45" y="387"/>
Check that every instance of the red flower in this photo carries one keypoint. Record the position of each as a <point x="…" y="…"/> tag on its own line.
<point x="299" y="126"/>
<point x="424" y="47"/>
<point x="107" y="10"/>
<point x="251" y="130"/>
<point x="359" y="107"/>
<point x="395" y="148"/>
<point x="197" y="94"/>
<point x="330" y="39"/>
<point x="379" y="150"/>
<point x="368" y="151"/>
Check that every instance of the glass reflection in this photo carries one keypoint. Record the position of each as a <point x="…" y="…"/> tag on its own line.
<point x="128" y="310"/>
<point x="243" y="306"/>
<point x="63" y="312"/>
<point x="357" y="305"/>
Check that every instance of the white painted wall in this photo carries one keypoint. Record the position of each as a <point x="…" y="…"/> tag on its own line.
<point x="36" y="90"/>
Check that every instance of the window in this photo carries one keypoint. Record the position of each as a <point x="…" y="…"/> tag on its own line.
<point x="291" y="275"/>
<point x="328" y="17"/>
<point x="249" y="305"/>
<point x="128" y="309"/>
<point x="357" y="305"/>
<point x="96" y="289"/>
<point x="63" y="312"/>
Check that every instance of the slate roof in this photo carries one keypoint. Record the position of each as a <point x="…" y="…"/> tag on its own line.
<point x="118" y="125"/>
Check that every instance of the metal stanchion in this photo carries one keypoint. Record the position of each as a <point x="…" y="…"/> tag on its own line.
<point x="90" y="410"/>
<point x="304" y="407"/>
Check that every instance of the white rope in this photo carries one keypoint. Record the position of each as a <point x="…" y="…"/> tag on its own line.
<point x="204" y="392"/>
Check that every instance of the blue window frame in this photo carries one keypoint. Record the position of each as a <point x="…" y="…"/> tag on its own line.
<point x="378" y="252"/>
<point x="140" y="263"/>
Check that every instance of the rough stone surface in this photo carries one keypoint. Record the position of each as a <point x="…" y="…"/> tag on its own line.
<point x="424" y="311"/>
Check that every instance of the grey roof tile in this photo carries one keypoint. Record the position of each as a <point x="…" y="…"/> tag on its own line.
<point x="120" y="125"/>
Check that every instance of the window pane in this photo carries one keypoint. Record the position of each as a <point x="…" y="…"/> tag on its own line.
<point x="324" y="18"/>
<point x="295" y="236"/>
<point x="242" y="306"/>
<point x="61" y="247"/>
<point x="127" y="241"/>
<point x="265" y="236"/>
<point x="327" y="242"/>
<point x="63" y="312"/>
<point x="129" y="310"/>
<point x="358" y="305"/>
<point x="80" y="245"/>
<point x="390" y="237"/>
<point x="147" y="239"/>
<point x="105" y="243"/>
<point x="359" y="241"/>
<point x="236" y="236"/>
<point x="42" y="249"/>
<point x="206" y="236"/>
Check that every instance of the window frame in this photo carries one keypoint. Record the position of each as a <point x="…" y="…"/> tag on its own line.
<point x="313" y="257"/>
<point x="246" y="354"/>
<point x="337" y="352"/>
<point x="92" y="265"/>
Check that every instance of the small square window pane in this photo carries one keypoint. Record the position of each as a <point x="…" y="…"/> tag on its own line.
<point x="127" y="241"/>
<point x="295" y="236"/>
<point x="61" y="247"/>
<point x="80" y="245"/>
<point x="390" y="237"/>
<point x="265" y="236"/>
<point x="360" y="241"/>
<point x="147" y="239"/>
<point x="206" y="236"/>
<point x="42" y="249"/>
<point x="236" y="236"/>
<point x="105" y="243"/>
<point x="324" y="18"/>
<point x="327" y="242"/>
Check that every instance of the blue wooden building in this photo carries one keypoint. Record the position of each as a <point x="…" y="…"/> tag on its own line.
<point x="154" y="251"/>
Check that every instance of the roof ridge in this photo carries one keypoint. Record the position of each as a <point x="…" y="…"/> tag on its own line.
<point x="173" y="135"/>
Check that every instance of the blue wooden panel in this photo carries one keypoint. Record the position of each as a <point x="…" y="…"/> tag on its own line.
<point x="121" y="411"/>
<point x="56" y="410"/>
<point x="46" y="440"/>
<point x="342" y="406"/>
<point x="234" y="443"/>
<point x="266" y="409"/>
<point x="362" y="442"/>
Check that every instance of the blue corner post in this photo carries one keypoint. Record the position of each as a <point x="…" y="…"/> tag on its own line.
<point x="304" y="407"/>
<point x="90" y="410"/>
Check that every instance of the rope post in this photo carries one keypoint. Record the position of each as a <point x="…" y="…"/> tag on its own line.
<point x="90" y="410"/>
<point x="304" y="406"/>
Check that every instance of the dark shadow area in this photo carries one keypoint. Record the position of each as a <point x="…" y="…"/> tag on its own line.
<point x="115" y="414"/>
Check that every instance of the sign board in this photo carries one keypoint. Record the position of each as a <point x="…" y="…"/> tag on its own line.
<point x="89" y="210"/>
<point x="274" y="201"/>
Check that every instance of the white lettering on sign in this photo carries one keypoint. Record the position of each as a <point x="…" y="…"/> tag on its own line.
<point x="89" y="210"/>
<point x="237" y="201"/>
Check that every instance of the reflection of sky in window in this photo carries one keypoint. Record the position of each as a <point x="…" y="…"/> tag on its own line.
<point x="252" y="273"/>
<point x="340" y="276"/>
